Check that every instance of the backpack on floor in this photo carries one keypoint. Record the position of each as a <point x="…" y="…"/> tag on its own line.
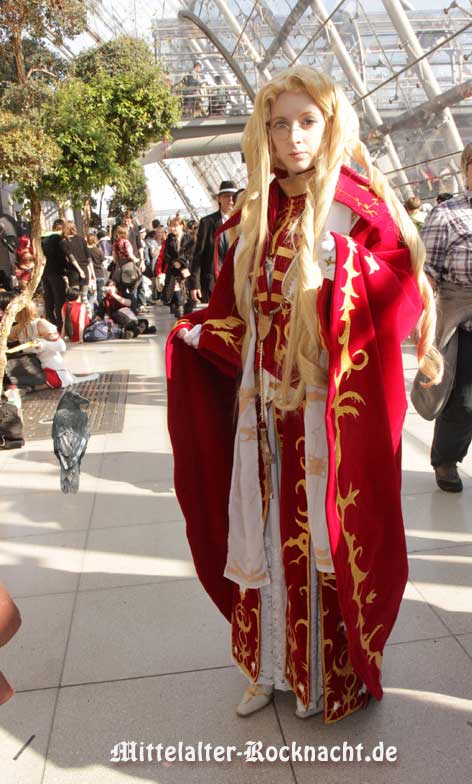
<point x="102" y="330"/>
<point x="11" y="426"/>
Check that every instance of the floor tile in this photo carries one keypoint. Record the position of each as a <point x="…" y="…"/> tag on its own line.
<point x="145" y="630"/>
<point x="444" y="579"/>
<point x="139" y="505"/>
<point x="23" y="716"/>
<point x="416" y="621"/>
<point x="35" y="656"/>
<point x="424" y="713"/>
<point x="118" y="556"/>
<point x="466" y="641"/>
<point x="26" y="514"/>
<point x="36" y="565"/>
<point x="37" y="469"/>
<point x="90" y="720"/>
<point x="138" y="468"/>
<point x="436" y="520"/>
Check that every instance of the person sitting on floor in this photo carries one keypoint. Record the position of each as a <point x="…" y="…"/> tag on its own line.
<point x="75" y="316"/>
<point x="44" y="340"/>
<point x="118" y="307"/>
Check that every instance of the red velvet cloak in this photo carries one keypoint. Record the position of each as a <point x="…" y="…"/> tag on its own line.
<point x="367" y="311"/>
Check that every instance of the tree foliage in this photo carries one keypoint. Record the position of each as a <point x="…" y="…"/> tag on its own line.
<point x="39" y="19"/>
<point x="88" y="146"/>
<point x="41" y="63"/>
<point x="140" y="108"/>
<point x="27" y="154"/>
<point x="130" y="193"/>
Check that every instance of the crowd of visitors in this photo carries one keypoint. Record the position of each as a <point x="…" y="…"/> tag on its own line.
<point x="95" y="287"/>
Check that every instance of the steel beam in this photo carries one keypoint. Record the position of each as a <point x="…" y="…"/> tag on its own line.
<point x="292" y="19"/>
<point x="425" y="72"/>
<point x="222" y="49"/>
<point x="419" y="116"/>
<point x="347" y="64"/>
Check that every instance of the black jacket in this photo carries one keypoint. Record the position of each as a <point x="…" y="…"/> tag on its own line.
<point x="175" y="253"/>
<point x="56" y="261"/>
<point x="202" y="267"/>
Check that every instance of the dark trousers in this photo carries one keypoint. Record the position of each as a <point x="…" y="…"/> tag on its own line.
<point x="141" y="294"/>
<point x="453" y="427"/>
<point x="54" y="289"/>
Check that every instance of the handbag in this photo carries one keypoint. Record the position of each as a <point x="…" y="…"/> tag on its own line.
<point x="129" y="273"/>
<point x="26" y="370"/>
<point x="11" y="427"/>
<point x="10" y="622"/>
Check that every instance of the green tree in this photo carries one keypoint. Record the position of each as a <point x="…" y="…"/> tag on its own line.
<point x="131" y="193"/>
<point x="39" y="19"/>
<point x="140" y="108"/>
<point x="40" y="63"/>
<point x="28" y="152"/>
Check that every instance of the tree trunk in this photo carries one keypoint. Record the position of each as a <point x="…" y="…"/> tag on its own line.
<point x="18" y="56"/>
<point x="27" y="295"/>
<point x="87" y="214"/>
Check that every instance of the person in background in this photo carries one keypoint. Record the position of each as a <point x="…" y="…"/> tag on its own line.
<point x="447" y="236"/>
<point x="158" y="275"/>
<point x="24" y="262"/>
<point x="444" y="196"/>
<point x="413" y="208"/>
<point x="137" y="243"/>
<point x="202" y="268"/>
<point x="98" y="266"/>
<point x="74" y="316"/>
<point x="218" y="97"/>
<point x="54" y="278"/>
<point x="47" y="345"/>
<point x="80" y="269"/>
<point x="178" y="252"/>
<point x="117" y="306"/>
<point x="127" y="266"/>
<point x="105" y="243"/>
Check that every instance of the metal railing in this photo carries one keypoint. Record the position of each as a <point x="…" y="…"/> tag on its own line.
<point x="212" y="100"/>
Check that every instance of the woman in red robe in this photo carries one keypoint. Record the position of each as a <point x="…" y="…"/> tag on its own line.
<point x="292" y="380"/>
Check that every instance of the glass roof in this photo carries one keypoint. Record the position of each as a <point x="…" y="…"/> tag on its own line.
<point x="413" y="127"/>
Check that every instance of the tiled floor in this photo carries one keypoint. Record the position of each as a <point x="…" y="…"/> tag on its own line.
<point x="120" y="642"/>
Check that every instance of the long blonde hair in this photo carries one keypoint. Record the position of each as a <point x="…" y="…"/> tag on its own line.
<point x="26" y="315"/>
<point x="339" y="144"/>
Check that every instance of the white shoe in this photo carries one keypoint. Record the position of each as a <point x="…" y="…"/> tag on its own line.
<point x="254" y="699"/>
<point x="302" y="713"/>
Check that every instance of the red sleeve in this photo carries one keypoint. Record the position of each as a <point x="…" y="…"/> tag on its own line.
<point x="364" y="315"/>
<point x="160" y="259"/>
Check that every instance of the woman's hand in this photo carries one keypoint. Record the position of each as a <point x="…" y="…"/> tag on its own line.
<point x="81" y="274"/>
<point x="190" y="336"/>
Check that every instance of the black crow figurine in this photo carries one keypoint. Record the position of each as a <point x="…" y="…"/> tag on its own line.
<point x="70" y="433"/>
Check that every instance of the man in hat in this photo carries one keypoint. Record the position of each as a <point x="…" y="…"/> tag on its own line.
<point x="206" y="258"/>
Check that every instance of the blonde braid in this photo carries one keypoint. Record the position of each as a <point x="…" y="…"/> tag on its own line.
<point x="429" y="359"/>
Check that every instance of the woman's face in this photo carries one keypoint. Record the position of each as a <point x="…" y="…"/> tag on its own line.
<point x="296" y="129"/>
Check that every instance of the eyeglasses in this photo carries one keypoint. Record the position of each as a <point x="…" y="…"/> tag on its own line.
<point x="281" y="129"/>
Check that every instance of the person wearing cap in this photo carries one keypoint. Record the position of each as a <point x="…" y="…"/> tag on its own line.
<point x="203" y="268"/>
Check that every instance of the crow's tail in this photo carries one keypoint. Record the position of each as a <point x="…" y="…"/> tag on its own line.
<point x="70" y="479"/>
